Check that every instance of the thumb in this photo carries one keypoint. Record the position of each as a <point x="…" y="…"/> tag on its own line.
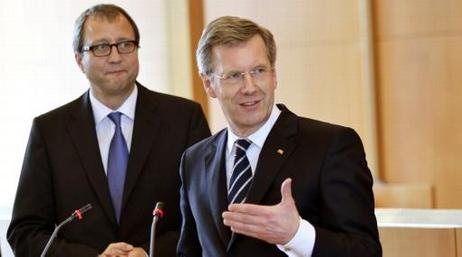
<point x="286" y="191"/>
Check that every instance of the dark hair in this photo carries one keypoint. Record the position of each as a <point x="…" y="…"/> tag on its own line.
<point x="108" y="11"/>
<point x="230" y="31"/>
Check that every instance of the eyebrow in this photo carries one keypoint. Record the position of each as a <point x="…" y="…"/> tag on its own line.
<point x="106" y="41"/>
<point x="253" y="68"/>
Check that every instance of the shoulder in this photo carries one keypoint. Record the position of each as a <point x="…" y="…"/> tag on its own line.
<point x="322" y="127"/>
<point x="207" y="144"/>
<point x="313" y="130"/>
<point x="166" y="100"/>
<point x="66" y="111"/>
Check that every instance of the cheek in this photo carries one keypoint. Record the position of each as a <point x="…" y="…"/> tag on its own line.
<point x="90" y="66"/>
<point x="134" y="63"/>
<point x="229" y="97"/>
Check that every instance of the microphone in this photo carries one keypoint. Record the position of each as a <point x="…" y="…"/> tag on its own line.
<point x="77" y="214"/>
<point x="157" y="213"/>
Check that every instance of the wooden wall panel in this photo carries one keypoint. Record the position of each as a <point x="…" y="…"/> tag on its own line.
<point x="459" y="241"/>
<point x="419" y="59"/>
<point x="404" y="195"/>
<point x="196" y="25"/>
<point x="413" y="18"/>
<point x="418" y="242"/>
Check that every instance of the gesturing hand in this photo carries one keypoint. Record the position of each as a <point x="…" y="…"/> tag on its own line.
<point x="275" y="224"/>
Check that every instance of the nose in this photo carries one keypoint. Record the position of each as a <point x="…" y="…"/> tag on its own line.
<point x="249" y="85"/>
<point x="114" y="56"/>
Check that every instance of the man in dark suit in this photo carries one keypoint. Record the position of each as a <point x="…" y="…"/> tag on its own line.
<point x="118" y="129"/>
<point x="272" y="183"/>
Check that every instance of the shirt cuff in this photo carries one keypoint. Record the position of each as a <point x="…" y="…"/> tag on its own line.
<point x="302" y="244"/>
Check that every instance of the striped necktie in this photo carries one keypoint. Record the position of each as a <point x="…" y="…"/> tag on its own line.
<point x="241" y="177"/>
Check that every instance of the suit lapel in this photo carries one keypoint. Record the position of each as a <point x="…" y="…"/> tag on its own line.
<point x="81" y="128"/>
<point x="216" y="181"/>
<point x="145" y="130"/>
<point x="277" y="148"/>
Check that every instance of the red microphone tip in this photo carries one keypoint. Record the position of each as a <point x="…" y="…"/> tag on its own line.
<point x="158" y="212"/>
<point x="78" y="214"/>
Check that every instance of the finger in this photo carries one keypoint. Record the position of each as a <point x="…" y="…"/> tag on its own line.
<point x="252" y="209"/>
<point x="286" y="191"/>
<point x="122" y="246"/>
<point x="236" y="217"/>
<point x="262" y="232"/>
<point x="247" y="229"/>
<point x="118" y="249"/>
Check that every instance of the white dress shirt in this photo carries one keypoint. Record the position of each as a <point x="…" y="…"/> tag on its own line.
<point x="105" y="128"/>
<point x="301" y="245"/>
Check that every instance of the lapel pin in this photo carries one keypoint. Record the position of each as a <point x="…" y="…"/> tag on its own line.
<point x="280" y="151"/>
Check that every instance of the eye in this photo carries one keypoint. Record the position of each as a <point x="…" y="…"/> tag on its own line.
<point x="125" y="45"/>
<point x="259" y="70"/>
<point x="101" y="47"/>
<point x="234" y="75"/>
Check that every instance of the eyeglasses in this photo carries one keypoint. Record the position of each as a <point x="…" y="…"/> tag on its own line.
<point x="235" y="78"/>
<point x="105" y="49"/>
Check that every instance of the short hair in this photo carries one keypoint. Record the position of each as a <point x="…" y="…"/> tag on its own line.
<point x="107" y="11"/>
<point x="230" y="31"/>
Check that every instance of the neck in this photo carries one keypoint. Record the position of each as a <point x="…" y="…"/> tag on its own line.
<point x="113" y="101"/>
<point x="243" y="132"/>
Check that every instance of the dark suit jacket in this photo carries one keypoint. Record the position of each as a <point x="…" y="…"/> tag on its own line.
<point x="62" y="171"/>
<point x="332" y="188"/>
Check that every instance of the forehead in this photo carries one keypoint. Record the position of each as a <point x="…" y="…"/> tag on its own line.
<point x="100" y="28"/>
<point x="242" y="56"/>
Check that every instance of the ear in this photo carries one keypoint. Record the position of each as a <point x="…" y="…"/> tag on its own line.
<point x="208" y="85"/>
<point x="78" y="60"/>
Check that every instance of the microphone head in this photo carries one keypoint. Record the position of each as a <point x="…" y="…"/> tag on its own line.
<point x="79" y="213"/>
<point x="85" y="208"/>
<point x="159" y="210"/>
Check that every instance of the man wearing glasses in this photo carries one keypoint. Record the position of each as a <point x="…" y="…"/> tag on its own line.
<point x="271" y="183"/>
<point x="117" y="147"/>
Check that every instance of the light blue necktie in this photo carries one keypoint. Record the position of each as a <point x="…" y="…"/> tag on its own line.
<point x="241" y="177"/>
<point x="117" y="164"/>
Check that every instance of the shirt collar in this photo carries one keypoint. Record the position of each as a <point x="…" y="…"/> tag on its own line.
<point x="258" y="137"/>
<point x="100" y="111"/>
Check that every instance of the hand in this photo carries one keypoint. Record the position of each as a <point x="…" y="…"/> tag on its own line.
<point x="120" y="249"/>
<point x="137" y="252"/>
<point x="275" y="224"/>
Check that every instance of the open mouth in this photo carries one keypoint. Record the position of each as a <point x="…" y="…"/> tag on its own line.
<point x="250" y="103"/>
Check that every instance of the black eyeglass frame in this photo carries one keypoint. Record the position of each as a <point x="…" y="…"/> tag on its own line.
<point x="119" y="45"/>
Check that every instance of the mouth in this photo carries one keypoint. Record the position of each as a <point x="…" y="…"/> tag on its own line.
<point x="114" y="72"/>
<point x="249" y="103"/>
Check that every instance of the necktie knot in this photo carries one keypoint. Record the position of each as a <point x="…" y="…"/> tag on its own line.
<point x="115" y="117"/>
<point x="241" y="146"/>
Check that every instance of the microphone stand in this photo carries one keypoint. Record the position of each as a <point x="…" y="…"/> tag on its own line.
<point x="157" y="213"/>
<point x="76" y="214"/>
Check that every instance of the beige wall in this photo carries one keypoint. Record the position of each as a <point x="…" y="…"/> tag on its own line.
<point x="419" y="242"/>
<point x="419" y="58"/>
